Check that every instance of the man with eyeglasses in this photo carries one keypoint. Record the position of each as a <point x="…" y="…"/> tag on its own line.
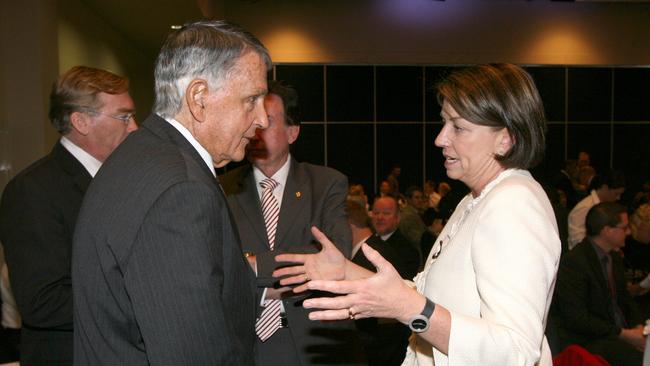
<point x="592" y="306"/>
<point x="93" y="112"/>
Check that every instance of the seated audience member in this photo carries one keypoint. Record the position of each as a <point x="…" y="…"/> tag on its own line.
<point x="637" y="245"/>
<point x="358" y="194"/>
<point x="563" y="180"/>
<point x="393" y="180"/>
<point x="605" y="188"/>
<point x="385" y="220"/>
<point x="641" y="197"/>
<point x="431" y="196"/>
<point x="561" y="215"/>
<point x="411" y="224"/>
<point x="637" y="250"/>
<point x="384" y="341"/>
<point x="384" y="189"/>
<point x="592" y="306"/>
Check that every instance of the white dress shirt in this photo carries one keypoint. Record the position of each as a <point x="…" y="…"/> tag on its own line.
<point x="205" y="155"/>
<point x="88" y="161"/>
<point x="578" y="217"/>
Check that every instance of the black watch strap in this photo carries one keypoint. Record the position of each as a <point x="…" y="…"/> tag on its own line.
<point x="429" y="306"/>
<point x="420" y="322"/>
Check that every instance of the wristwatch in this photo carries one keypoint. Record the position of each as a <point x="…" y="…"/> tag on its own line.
<point x="420" y="322"/>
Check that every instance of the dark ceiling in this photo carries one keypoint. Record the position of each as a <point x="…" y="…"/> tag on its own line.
<point x="146" y="22"/>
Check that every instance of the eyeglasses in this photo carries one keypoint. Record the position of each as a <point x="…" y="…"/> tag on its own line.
<point x="125" y="118"/>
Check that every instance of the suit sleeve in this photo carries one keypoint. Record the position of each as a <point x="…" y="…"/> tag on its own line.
<point x="330" y="219"/>
<point x="515" y="253"/>
<point x="333" y="220"/>
<point x="175" y="277"/>
<point x="38" y="247"/>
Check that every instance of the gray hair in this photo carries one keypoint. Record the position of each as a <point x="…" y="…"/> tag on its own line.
<point x="204" y="49"/>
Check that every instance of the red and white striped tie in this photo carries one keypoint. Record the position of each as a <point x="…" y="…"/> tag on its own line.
<point x="269" y="321"/>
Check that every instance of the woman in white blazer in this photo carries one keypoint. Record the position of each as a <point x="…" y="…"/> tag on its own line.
<point x="485" y="291"/>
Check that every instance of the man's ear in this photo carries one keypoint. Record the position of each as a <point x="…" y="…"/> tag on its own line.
<point x="80" y="122"/>
<point x="292" y="133"/>
<point x="195" y="96"/>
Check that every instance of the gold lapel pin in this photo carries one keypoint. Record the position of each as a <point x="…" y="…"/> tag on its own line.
<point x="298" y="194"/>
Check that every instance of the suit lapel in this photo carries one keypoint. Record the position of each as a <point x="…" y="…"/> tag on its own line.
<point x="249" y="202"/>
<point x="294" y="200"/>
<point x="72" y="167"/>
<point x="597" y="268"/>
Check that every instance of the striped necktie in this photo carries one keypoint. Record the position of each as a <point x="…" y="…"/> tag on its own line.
<point x="269" y="321"/>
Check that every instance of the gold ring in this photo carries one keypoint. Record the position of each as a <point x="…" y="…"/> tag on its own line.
<point x="307" y="279"/>
<point x="351" y="314"/>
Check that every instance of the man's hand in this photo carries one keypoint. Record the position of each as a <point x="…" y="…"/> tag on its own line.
<point x="634" y="336"/>
<point x="328" y="264"/>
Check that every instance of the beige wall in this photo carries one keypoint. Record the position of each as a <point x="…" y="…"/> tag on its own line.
<point x="453" y="31"/>
<point x="38" y="40"/>
<point x="29" y="64"/>
<point x="85" y="38"/>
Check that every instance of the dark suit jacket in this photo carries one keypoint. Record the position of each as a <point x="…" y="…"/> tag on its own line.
<point x="582" y="304"/>
<point x="37" y="219"/>
<point x="379" y="245"/>
<point x="158" y="273"/>
<point x="313" y="195"/>
<point x="408" y="262"/>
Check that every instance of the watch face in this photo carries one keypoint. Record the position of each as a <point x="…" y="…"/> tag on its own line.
<point x="419" y="323"/>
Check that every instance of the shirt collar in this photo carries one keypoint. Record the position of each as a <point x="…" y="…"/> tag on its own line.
<point x="387" y="236"/>
<point x="89" y="162"/>
<point x="280" y="176"/>
<point x="205" y="155"/>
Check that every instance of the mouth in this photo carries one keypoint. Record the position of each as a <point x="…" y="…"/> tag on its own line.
<point x="449" y="159"/>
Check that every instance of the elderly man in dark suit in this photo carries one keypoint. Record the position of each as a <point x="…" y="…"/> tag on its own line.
<point x="93" y="112"/>
<point x="301" y="195"/>
<point x="592" y="306"/>
<point x="159" y="277"/>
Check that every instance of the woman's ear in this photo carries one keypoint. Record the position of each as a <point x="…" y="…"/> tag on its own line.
<point x="195" y="96"/>
<point x="505" y="142"/>
<point x="80" y="122"/>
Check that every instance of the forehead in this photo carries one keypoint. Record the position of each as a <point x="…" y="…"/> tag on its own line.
<point x="120" y="102"/>
<point x="273" y="104"/>
<point x="384" y="204"/>
<point x="248" y="74"/>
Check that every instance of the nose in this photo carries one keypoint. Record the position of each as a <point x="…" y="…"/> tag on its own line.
<point x="261" y="118"/>
<point x="131" y="126"/>
<point x="441" y="140"/>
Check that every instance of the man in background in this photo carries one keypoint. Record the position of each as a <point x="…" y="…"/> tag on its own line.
<point x="275" y="200"/>
<point x="93" y="112"/>
<point x="159" y="275"/>
<point x="592" y="306"/>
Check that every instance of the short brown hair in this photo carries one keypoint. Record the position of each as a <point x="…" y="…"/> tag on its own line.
<point x="77" y="90"/>
<point x="603" y="214"/>
<point x="289" y="98"/>
<point x="500" y="96"/>
<point x="357" y="214"/>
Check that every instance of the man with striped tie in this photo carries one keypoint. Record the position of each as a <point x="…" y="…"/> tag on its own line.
<point x="275" y="200"/>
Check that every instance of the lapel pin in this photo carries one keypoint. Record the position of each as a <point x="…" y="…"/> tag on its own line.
<point x="298" y="194"/>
